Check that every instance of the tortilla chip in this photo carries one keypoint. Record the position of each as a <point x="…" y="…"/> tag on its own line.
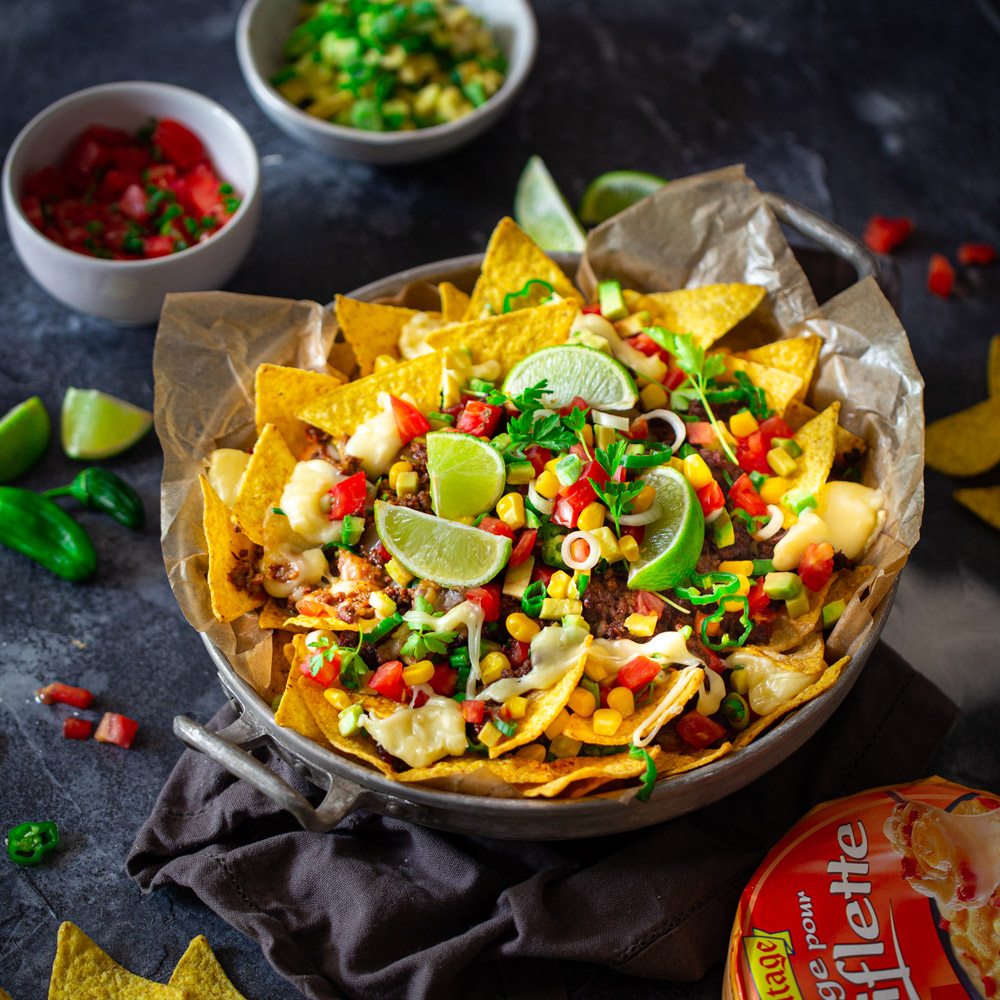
<point x="617" y="767"/>
<point x="804" y="659"/>
<point x="454" y="302"/>
<point x="789" y="632"/>
<point x="200" y="974"/>
<point x="512" y="260"/>
<point x="966" y="443"/>
<point x="508" y="338"/>
<point x="847" y="582"/>
<point x="779" y="387"/>
<point x="333" y="624"/>
<point x="225" y="542"/>
<point x="371" y="329"/>
<point x="271" y="466"/>
<point x="4" y="995"/>
<point x="825" y="681"/>
<point x="677" y="761"/>
<point x="82" y="971"/>
<point x="292" y="712"/>
<point x="272" y="615"/>
<point x="797" y="356"/>
<point x="848" y="445"/>
<point x="984" y="501"/>
<point x="817" y="439"/>
<point x="707" y="313"/>
<point x="339" y="412"/>
<point x="280" y="392"/>
<point x="543" y="707"/>
<point x="993" y="367"/>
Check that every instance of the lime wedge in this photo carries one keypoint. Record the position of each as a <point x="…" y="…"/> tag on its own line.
<point x="95" y="425"/>
<point x="574" y="370"/>
<point x="672" y="544"/>
<point x="454" y="555"/>
<point x="24" y="435"/>
<point x="615" y="191"/>
<point x="467" y="474"/>
<point x="543" y="213"/>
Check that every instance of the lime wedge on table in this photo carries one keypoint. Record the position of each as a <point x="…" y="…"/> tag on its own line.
<point x="467" y="474"/>
<point x="574" y="370"/>
<point x="542" y="212"/>
<point x="454" y="555"/>
<point x="672" y="543"/>
<point x="615" y="191"/>
<point x="24" y="436"/>
<point x="95" y="425"/>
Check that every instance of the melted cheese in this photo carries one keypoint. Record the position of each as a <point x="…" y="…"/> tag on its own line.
<point x="711" y="693"/>
<point x="304" y="569"/>
<point x="670" y="647"/>
<point x="652" y="367"/>
<point x="420" y="736"/>
<point x="376" y="441"/>
<point x="469" y="614"/>
<point x="644" y="733"/>
<point x="226" y="469"/>
<point x="768" y="685"/>
<point x="413" y="336"/>
<point x="300" y="501"/>
<point x="554" y="650"/>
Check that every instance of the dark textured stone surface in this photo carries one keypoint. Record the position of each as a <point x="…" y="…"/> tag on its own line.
<point x="850" y="108"/>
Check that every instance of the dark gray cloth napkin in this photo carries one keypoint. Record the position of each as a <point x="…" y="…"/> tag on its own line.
<point x="383" y="909"/>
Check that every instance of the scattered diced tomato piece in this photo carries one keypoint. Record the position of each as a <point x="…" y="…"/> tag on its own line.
<point x="883" y="234"/>
<point x="478" y="418"/>
<point x="751" y="453"/>
<point x="47" y="183"/>
<point x="444" y="680"/>
<point x="388" y="681"/>
<point x="645" y="343"/>
<point x="637" y="531"/>
<point x="520" y="652"/>
<point x="757" y="599"/>
<point x="117" y="729"/>
<point x="87" y="156"/>
<point x="497" y="527"/>
<point x="774" y="427"/>
<point x="538" y="456"/>
<point x="542" y="572"/>
<point x="638" y="672"/>
<point x="576" y="403"/>
<point x="77" y="729"/>
<point x="115" y="181"/>
<point x="488" y="598"/>
<point x="472" y="710"/>
<point x="715" y="662"/>
<point x="673" y="378"/>
<point x="65" y="693"/>
<point x="595" y="308"/>
<point x="410" y="422"/>
<point x="107" y="136"/>
<point x="179" y="144"/>
<point x="131" y="159"/>
<point x="648" y="603"/>
<point x="698" y="730"/>
<point x="323" y="668"/>
<point x="203" y="186"/>
<point x="31" y="205"/>
<point x="522" y="548"/>
<point x="157" y="246"/>
<point x="565" y="513"/>
<point x="976" y="253"/>
<point x="348" y="496"/>
<point x="816" y="565"/>
<point x="744" y="495"/>
<point x="940" y="275"/>
<point x="133" y="203"/>
<point x="710" y="497"/>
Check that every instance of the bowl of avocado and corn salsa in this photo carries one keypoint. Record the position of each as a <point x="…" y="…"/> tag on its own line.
<point x="385" y="81"/>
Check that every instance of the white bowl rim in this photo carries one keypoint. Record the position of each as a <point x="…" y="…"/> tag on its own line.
<point x="511" y="84"/>
<point x="109" y="88"/>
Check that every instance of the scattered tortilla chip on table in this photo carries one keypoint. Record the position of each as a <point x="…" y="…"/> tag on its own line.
<point x="984" y="501"/>
<point x="965" y="443"/>
<point x="796" y="355"/>
<point x="454" y="302"/>
<point x="280" y="392"/>
<point x="200" y="974"/>
<point x="781" y="387"/>
<point x="271" y="466"/>
<point x="707" y="313"/>
<point x="371" y="329"/>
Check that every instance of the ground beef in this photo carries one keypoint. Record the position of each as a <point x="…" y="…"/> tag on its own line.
<point x="415" y="501"/>
<point x="244" y="575"/>
<point x="394" y="762"/>
<point x="509" y="606"/>
<point x="354" y="608"/>
<point x="402" y="597"/>
<point x="607" y="602"/>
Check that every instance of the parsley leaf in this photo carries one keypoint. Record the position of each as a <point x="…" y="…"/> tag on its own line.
<point x="618" y="497"/>
<point x="526" y="401"/>
<point x="611" y="458"/>
<point x="423" y="641"/>
<point x="548" y="432"/>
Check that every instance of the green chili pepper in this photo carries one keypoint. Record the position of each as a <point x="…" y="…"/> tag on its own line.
<point x="510" y="301"/>
<point x="384" y="627"/>
<point x="725" y="641"/>
<point x="38" y="528"/>
<point x="649" y="778"/>
<point x="28" y="843"/>
<point x="507" y="728"/>
<point x="660" y="457"/>
<point x="726" y="585"/>
<point x="532" y="598"/>
<point x="105" y="492"/>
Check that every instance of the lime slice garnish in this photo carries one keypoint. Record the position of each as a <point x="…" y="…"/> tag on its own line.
<point x="615" y="191"/>
<point x="672" y="543"/>
<point x="96" y="425"/>
<point x="574" y="370"/>
<point x="467" y="474"/>
<point x="543" y="213"/>
<point x="24" y="435"/>
<point x="454" y="555"/>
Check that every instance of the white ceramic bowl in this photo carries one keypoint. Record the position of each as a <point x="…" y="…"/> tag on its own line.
<point x="263" y="27"/>
<point x="124" y="291"/>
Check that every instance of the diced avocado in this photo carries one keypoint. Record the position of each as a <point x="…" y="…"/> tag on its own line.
<point x="832" y="613"/>
<point x="798" y="500"/>
<point x="611" y="300"/>
<point x="520" y="473"/>
<point x="781" y="462"/>
<point x="789" y="444"/>
<point x="798" y="605"/>
<point x="761" y="567"/>
<point x="722" y="529"/>
<point x="782" y="586"/>
<point x="349" y="720"/>
<point x="351" y="529"/>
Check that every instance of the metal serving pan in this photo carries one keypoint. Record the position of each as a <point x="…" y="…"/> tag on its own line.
<point x="349" y="786"/>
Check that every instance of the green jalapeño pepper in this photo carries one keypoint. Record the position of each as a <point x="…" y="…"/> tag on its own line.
<point x="105" y="492"/>
<point x="28" y="843"/>
<point x="36" y="527"/>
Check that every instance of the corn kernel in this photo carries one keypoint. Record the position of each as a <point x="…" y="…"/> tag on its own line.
<point x="595" y="671"/>
<point x="557" y="725"/>
<point x="741" y="567"/>
<point x="553" y="608"/>
<point x="622" y="701"/>
<point x="654" y="397"/>
<point x="559" y="584"/>
<point x="606" y="721"/>
<point x="782" y="463"/>
<point x="773" y="489"/>
<point x="739" y="680"/>
<point x="533" y="751"/>
<point x="588" y="435"/>
<point x="418" y="673"/>
<point x="516" y="706"/>
<point x="643" y="500"/>
<point x="628" y="547"/>
<point x="641" y="624"/>
<point x="743" y="424"/>
<point x="697" y="472"/>
<point x="591" y="517"/>
<point x="396" y="470"/>
<point x="548" y="485"/>
<point x="677" y="464"/>
<point x="552" y="463"/>
<point x="511" y="510"/>
<point x="384" y="606"/>
<point x="339" y="699"/>
<point x="384" y="361"/>
<point x="398" y="572"/>
<point x="407" y="482"/>
<point x="744" y="587"/>
<point x="582" y="702"/>
<point x="521" y="627"/>
<point x="608" y="543"/>
<point x="489" y="735"/>
<point x="564" y="746"/>
<point x="604" y="436"/>
<point x="492" y="666"/>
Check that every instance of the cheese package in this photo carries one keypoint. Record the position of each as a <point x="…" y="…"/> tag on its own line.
<point x="891" y="894"/>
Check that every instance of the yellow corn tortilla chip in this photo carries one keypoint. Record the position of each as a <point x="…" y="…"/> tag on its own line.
<point x="796" y="355"/>
<point x="225" y="544"/>
<point x="965" y="443"/>
<point x="4" y="995"/>
<point x="543" y="707"/>
<point x="847" y="582"/>
<point x="200" y="974"/>
<point x="804" y="659"/>
<point x="508" y="338"/>
<point x="82" y="971"/>
<point x="371" y="329"/>
<point x="292" y="711"/>
<point x="707" y="313"/>
<point x="280" y="392"/>
<point x="824" y="682"/>
<point x="677" y="760"/>
<point x="779" y="387"/>
<point x="848" y="445"/>
<point x="512" y="260"/>
<point x="817" y="439"/>
<point x="339" y="412"/>
<point x="614" y="768"/>
<point x="984" y="501"/>
<point x="454" y="302"/>
<point x="272" y="615"/>
<point x="993" y="367"/>
<point x="333" y="624"/>
<point x="271" y="466"/>
<point x="789" y="632"/>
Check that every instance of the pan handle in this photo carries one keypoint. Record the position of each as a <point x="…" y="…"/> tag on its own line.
<point x="225" y="748"/>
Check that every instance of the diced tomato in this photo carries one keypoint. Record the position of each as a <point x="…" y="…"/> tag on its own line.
<point x="348" y="496"/>
<point x="131" y="159"/>
<point x="564" y="513"/>
<point x="410" y="422"/>
<point x="638" y="430"/>
<point x="940" y="275"/>
<point x="31" y="205"/>
<point x="478" y="418"/>
<point x="77" y="729"/>
<point x="579" y="450"/>
<point x="133" y="203"/>
<point x="816" y="565"/>
<point x="538" y="456"/>
<point x="157" y="246"/>
<point x="594" y="309"/>
<point x="519" y="653"/>
<point x="115" y="181"/>
<point x="444" y="680"/>
<point x="522" y="548"/>
<point x="648" y="603"/>
<point x="710" y="497"/>
<point x="314" y="609"/>
<point x="107" y="136"/>
<point x="497" y="527"/>
<point x="382" y="553"/>
<point x="673" y="378"/>
<point x="744" y="495"/>
<point x="883" y="234"/>
<point x="751" y="453"/>
<point x="698" y="730"/>
<point x="542" y="572"/>
<point x="47" y="183"/>
<point x="65" y="693"/>
<point x="976" y="253"/>
<point x="645" y="343"/>
<point x="388" y="681"/>
<point x="178" y="144"/>
<point x="87" y="156"/>
<point x="581" y="493"/>
<point x="322" y="668"/>
<point x="757" y="599"/>
<point x="638" y="672"/>
<point x="774" y="427"/>
<point x="715" y="663"/>
<point x="117" y="729"/>
<point x="576" y="403"/>
<point x="488" y="598"/>
<point x="204" y="188"/>
<point x="472" y="710"/>
<point x="161" y="174"/>
<point x="637" y="531"/>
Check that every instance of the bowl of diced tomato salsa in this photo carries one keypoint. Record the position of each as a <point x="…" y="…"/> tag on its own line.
<point x="118" y="194"/>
